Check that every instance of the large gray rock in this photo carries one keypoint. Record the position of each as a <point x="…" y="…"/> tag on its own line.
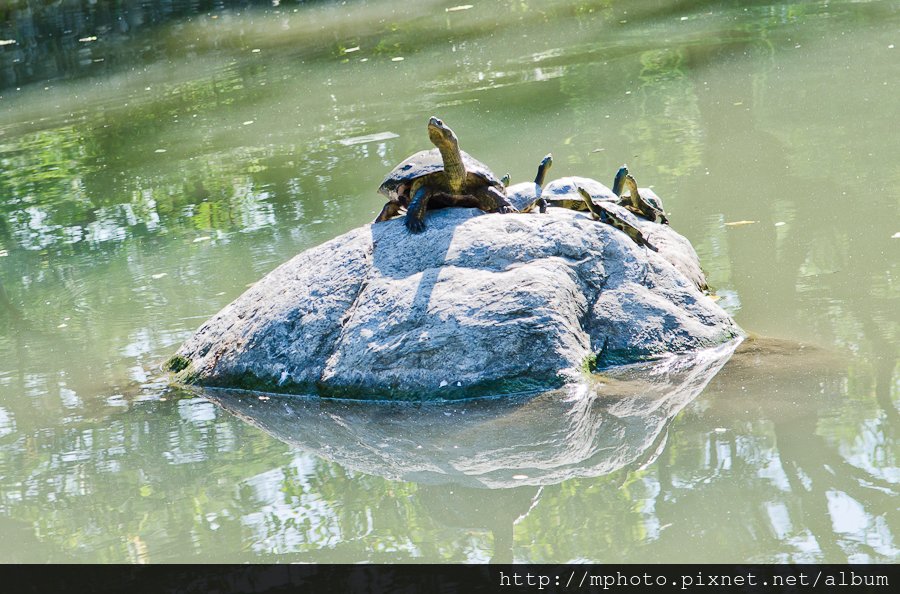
<point x="478" y="302"/>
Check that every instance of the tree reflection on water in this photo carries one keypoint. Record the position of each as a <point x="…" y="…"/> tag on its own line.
<point x="149" y="175"/>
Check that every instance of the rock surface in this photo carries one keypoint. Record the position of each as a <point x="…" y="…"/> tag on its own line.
<point x="500" y="303"/>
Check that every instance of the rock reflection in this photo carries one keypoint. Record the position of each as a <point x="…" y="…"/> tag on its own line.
<point x="580" y="431"/>
<point x="481" y="464"/>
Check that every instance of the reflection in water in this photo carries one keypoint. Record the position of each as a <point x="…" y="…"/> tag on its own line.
<point x="497" y="443"/>
<point x="796" y="390"/>
<point x="86" y="37"/>
<point x="141" y="193"/>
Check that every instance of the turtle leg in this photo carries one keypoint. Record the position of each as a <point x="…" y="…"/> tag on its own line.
<point x="415" y="214"/>
<point x="490" y="199"/>
<point x="390" y="210"/>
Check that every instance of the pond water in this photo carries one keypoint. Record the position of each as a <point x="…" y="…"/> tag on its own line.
<point x="157" y="161"/>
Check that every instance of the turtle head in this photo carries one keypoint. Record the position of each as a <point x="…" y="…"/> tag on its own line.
<point x="631" y="184"/>
<point x="619" y="181"/>
<point x="594" y="209"/>
<point x="441" y="134"/>
<point x="543" y="168"/>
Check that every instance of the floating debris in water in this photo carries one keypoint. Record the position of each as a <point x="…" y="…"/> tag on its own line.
<point x="88" y="39"/>
<point x="204" y="238"/>
<point x="894" y="236"/>
<point x="368" y="138"/>
<point x="397" y="59"/>
<point x="13" y="41"/>
<point x="740" y="223"/>
<point x="248" y="122"/>
<point x="458" y="8"/>
<point x="63" y="325"/>
<point x="255" y="50"/>
<point x="720" y="430"/>
<point x="159" y="275"/>
<point x="159" y="151"/>
<point x="350" y="50"/>
<point x="519" y="477"/>
<point x="780" y="224"/>
<point x="4" y="253"/>
<point x="443" y="383"/>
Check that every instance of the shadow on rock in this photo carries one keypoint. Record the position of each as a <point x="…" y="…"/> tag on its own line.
<point x="587" y="429"/>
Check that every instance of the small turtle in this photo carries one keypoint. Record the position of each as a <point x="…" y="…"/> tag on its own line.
<point x="440" y="177"/>
<point x="644" y="203"/>
<point x="563" y="192"/>
<point x="605" y="214"/>
<point x="526" y="195"/>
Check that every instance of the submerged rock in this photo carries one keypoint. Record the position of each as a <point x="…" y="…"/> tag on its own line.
<point x="498" y="302"/>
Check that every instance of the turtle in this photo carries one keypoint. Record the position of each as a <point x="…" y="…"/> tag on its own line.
<point x="643" y="202"/>
<point x="440" y="177"/>
<point x="605" y="213"/>
<point x="563" y="192"/>
<point x="527" y="195"/>
<point x="505" y="180"/>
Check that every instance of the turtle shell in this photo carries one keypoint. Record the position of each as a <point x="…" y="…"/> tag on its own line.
<point x="522" y="194"/>
<point x="427" y="162"/>
<point x="564" y="192"/>
<point x="621" y="212"/>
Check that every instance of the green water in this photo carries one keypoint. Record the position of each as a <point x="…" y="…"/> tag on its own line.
<point x="161" y="172"/>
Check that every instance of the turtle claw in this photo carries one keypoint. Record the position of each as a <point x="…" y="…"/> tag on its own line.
<point x="507" y="209"/>
<point x="414" y="225"/>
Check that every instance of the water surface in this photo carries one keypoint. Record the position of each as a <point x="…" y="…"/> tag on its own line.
<point x="157" y="161"/>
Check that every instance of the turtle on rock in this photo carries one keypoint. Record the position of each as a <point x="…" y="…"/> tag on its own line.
<point x="440" y="177"/>
<point x="564" y="192"/>
<point x="643" y="202"/>
<point x="525" y="196"/>
<point x="605" y="213"/>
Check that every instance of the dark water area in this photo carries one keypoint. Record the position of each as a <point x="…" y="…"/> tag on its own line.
<point x="45" y="42"/>
<point x="157" y="158"/>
